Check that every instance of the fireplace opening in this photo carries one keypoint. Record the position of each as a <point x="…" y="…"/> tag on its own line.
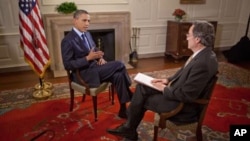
<point x="105" y="41"/>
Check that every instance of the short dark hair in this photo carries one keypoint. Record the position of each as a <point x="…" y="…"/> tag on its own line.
<point x="205" y="31"/>
<point x="79" y="12"/>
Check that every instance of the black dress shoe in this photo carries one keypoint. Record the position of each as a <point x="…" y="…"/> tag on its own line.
<point x="123" y="114"/>
<point x="125" y="132"/>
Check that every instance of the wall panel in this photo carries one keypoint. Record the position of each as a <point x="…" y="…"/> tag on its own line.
<point x="98" y="2"/>
<point x="149" y="15"/>
<point x="209" y="11"/>
<point x="143" y="10"/>
<point x="230" y="10"/>
<point x="4" y="52"/>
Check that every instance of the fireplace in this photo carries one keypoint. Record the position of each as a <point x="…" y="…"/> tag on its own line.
<point x="105" y="41"/>
<point x="57" y="24"/>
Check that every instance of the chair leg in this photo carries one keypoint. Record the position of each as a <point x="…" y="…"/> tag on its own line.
<point x="155" y="133"/>
<point x="199" y="132"/>
<point x="112" y="94"/>
<point x="199" y="126"/>
<point x="71" y="100"/>
<point x="94" y="98"/>
<point x="83" y="97"/>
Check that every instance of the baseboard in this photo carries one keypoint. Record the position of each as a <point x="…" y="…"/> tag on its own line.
<point x="150" y="55"/>
<point x="15" y="69"/>
<point x="221" y="48"/>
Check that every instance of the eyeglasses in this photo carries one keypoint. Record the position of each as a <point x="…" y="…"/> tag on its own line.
<point x="188" y="35"/>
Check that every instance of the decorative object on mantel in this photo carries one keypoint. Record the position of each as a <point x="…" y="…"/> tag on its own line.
<point x="133" y="56"/>
<point x="179" y="13"/>
<point x="66" y="7"/>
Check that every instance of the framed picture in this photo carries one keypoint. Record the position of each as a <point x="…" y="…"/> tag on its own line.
<point x="192" y="1"/>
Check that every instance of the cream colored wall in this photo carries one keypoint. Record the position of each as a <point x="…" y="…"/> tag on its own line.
<point x="149" y="15"/>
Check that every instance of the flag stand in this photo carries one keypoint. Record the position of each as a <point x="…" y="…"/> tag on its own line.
<point x="42" y="90"/>
<point x="33" y="43"/>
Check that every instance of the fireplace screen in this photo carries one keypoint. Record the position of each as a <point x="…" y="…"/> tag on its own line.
<point x="105" y="41"/>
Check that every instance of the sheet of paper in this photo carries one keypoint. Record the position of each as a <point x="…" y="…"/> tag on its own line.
<point x="145" y="79"/>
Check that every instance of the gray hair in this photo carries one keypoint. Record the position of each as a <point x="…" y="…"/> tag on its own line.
<point x="79" y="12"/>
<point x="205" y="31"/>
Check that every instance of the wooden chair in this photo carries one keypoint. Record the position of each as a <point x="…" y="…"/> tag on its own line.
<point x="84" y="88"/>
<point x="161" y="119"/>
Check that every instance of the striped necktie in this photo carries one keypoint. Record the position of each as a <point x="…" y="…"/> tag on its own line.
<point x="85" y="41"/>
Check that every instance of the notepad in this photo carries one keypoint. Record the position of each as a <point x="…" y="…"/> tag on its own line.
<point x="145" y="80"/>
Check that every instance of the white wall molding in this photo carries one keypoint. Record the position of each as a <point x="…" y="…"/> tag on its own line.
<point x="149" y="15"/>
<point x="90" y="2"/>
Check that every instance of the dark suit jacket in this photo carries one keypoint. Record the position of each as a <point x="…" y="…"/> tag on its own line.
<point x="74" y="51"/>
<point x="189" y="82"/>
<point x="74" y="55"/>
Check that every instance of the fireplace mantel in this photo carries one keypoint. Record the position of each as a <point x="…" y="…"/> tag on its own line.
<point x="56" y="24"/>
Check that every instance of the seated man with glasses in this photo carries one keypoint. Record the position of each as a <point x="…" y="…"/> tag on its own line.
<point x="184" y="86"/>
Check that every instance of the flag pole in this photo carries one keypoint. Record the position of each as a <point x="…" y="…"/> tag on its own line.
<point x="41" y="82"/>
<point x="43" y="85"/>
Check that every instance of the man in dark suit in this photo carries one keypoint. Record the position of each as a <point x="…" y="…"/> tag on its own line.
<point x="185" y="86"/>
<point x="79" y="52"/>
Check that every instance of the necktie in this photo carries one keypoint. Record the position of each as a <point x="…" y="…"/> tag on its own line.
<point x="188" y="61"/>
<point x="85" y="41"/>
<point x="177" y="77"/>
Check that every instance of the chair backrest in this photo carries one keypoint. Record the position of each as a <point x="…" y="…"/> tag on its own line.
<point x="204" y="103"/>
<point x="200" y="103"/>
<point x="207" y="92"/>
<point x="69" y="78"/>
<point x="79" y="79"/>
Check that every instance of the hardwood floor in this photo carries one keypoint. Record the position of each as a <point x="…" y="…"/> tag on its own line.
<point x="24" y="79"/>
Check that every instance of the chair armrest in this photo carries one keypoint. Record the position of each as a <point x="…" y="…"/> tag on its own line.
<point x="82" y="82"/>
<point x="79" y="78"/>
<point x="166" y="115"/>
<point x="201" y="101"/>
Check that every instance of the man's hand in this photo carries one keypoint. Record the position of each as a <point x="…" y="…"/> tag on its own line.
<point x="159" y="86"/>
<point x="94" y="55"/>
<point x="163" y="81"/>
<point x="101" y="61"/>
<point x="160" y="83"/>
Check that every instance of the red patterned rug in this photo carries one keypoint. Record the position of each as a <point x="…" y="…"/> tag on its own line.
<point x="228" y="106"/>
<point x="54" y="118"/>
<point x="23" y="118"/>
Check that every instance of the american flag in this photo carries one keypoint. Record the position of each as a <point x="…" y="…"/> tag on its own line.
<point x="32" y="36"/>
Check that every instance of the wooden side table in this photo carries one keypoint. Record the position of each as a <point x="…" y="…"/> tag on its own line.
<point x="176" y="43"/>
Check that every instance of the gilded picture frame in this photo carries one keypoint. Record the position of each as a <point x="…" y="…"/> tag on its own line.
<point x="192" y="1"/>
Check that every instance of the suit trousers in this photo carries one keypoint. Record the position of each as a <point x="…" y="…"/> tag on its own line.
<point x="114" y="72"/>
<point x="146" y="98"/>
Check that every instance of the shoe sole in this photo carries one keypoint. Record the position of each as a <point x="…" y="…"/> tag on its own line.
<point x="122" y="135"/>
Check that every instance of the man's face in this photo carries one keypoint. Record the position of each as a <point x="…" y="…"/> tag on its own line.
<point x="82" y="22"/>
<point x="190" y="38"/>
